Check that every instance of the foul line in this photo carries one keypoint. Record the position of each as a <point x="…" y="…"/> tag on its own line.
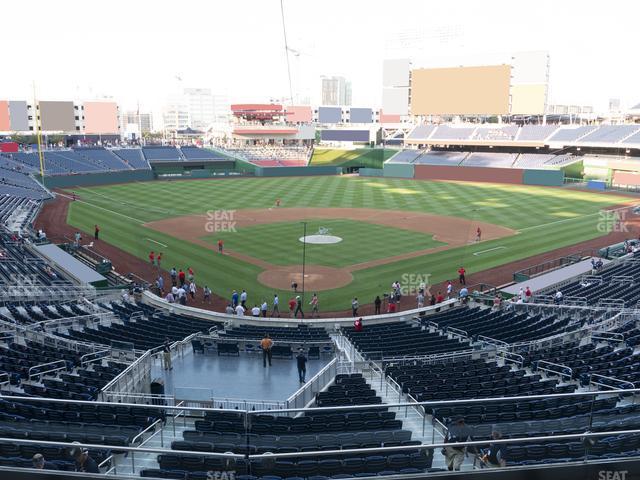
<point x="154" y="241"/>
<point x="489" y="250"/>
<point x="599" y="212"/>
<point x="141" y="222"/>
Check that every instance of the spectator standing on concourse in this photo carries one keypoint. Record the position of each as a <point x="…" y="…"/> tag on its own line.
<point x="298" y="307"/>
<point x="301" y="361"/>
<point x="266" y="344"/>
<point x="354" y="306"/>
<point x="377" y="303"/>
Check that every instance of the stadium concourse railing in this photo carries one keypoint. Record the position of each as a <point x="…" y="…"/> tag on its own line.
<point x="581" y="426"/>
<point x="230" y="320"/>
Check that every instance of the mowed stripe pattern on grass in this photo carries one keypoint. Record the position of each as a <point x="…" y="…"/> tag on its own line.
<point x="513" y="206"/>
<point x="279" y="243"/>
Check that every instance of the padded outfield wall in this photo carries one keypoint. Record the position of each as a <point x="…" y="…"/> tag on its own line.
<point x="88" y="179"/>
<point x="516" y="176"/>
<point x="296" y="171"/>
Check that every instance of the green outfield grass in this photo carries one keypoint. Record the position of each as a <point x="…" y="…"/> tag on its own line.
<point x="279" y="243"/>
<point x="360" y="157"/>
<point x="546" y="219"/>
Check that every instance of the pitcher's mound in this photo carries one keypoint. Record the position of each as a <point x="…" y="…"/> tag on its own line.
<point x="316" y="277"/>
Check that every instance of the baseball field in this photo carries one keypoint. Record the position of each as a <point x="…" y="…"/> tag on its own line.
<point x="388" y="229"/>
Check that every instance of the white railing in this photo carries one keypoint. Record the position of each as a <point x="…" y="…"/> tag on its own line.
<point x="130" y="379"/>
<point x="306" y="394"/>
<point x="40" y="293"/>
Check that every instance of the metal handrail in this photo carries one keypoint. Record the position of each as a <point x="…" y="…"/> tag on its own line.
<point x="356" y="451"/>
<point x="622" y="382"/>
<point x="607" y="336"/>
<point x="84" y="358"/>
<point x="430" y="357"/>
<point x="440" y="403"/>
<point x="126" y="371"/>
<point x="457" y="332"/>
<point x="39" y="374"/>
<point x="141" y="434"/>
<point x="310" y="382"/>
<point x="492" y="341"/>
<point x="565" y="371"/>
<point x="508" y="357"/>
<point x="301" y="342"/>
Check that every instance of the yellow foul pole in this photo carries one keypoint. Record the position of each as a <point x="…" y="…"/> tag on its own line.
<point x="38" y="128"/>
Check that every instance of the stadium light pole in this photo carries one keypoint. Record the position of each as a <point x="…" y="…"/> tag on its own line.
<point x="304" y="254"/>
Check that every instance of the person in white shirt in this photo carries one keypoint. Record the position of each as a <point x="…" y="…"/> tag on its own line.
<point x="276" y="308"/>
<point x="240" y="310"/>
<point x="243" y="298"/>
<point x="255" y="311"/>
<point x="264" y="307"/>
<point x="230" y="310"/>
<point x="170" y="298"/>
<point x="192" y="290"/>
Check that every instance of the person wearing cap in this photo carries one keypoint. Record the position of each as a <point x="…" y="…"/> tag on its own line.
<point x="84" y="462"/>
<point x="301" y="360"/>
<point x="457" y="432"/>
<point x="39" y="463"/>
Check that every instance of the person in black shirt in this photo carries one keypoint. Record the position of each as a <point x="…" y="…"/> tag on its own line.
<point x="84" y="462"/>
<point x="166" y="355"/>
<point x="301" y="359"/>
<point x="377" y="302"/>
<point x="496" y="455"/>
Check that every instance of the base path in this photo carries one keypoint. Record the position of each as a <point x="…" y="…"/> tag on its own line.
<point x="453" y="231"/>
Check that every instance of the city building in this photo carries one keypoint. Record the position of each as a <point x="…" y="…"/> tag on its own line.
<point x="336" y="91"/>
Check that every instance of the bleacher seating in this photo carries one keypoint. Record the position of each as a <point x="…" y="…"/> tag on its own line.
<point x="535" y="133"/>
<point x="319" y="430"/>
<point x="495" y="160"/>
<point x="301" y="333"/>
<point x="266" y="155"/>
<point x="505" y="326"/>
<point x="607" y="285"/>
<point x="448" y="132"/>
<point x="196" y="153"/>
<point x="421" y="132"/>
<point x="441" y="158"/>
<point x="400" y="339"/>
<point x="405" y="156"/>
<point x="132" y="157"/>
<point x="571" y="134"/>
<point x="104" y="159"/>
<point x="496" y="132"/>
<point x="610" y="134"/>
<point x="162" y="154"/>
<point x="145" y="333"/>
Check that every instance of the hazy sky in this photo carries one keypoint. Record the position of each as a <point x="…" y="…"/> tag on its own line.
<point x="133" y="50"/>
